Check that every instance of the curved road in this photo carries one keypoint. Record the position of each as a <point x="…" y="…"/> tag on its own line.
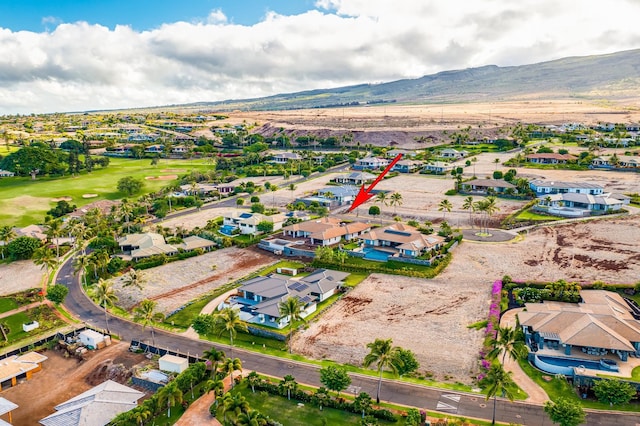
<point x="433" y="399"/>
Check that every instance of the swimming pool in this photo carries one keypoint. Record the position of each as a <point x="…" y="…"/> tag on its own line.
<point x="373" y="254"/>
<point x="566" y="365"/>
<point x="227" y="230"/>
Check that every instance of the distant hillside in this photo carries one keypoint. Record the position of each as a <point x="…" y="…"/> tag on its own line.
<point x="612" y="76"/>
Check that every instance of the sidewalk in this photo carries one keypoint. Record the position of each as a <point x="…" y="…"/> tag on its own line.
<point x="537" y="395"/>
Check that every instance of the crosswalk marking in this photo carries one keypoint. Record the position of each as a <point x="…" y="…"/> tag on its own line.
<point x="443" y="406"/>
<point x="455" y="398"/>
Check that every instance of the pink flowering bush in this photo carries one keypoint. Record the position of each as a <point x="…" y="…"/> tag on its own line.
<point x="491" y="331"/>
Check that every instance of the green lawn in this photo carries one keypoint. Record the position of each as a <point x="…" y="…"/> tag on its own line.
<point x="528" y="215"/>
<point x="355" y="278"/>
<point x="7" y="304"/>
<point x="25" y="201"/>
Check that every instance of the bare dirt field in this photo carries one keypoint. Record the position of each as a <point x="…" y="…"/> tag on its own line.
<point x="18" y="276"/>
<point x="430" y="317"/>
<point x="174" y="284"/>
<point x="37" y="397"/>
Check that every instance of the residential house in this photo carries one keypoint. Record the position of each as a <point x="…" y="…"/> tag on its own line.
<point x="451" y="153"/>
<point x="326" y="231"/>
<point x="193" y="242"/>
<point x="484" y="186"/>
<point x="205" y="188"/>
<point x="154" y="149"/>
<point x="339" y="195"/>
<point x="284" y="157"/>
<point x="620" y="162"/>
<point x="16" y="368"/>
<point x="355" y="178"/>
<point x="543" y="187"/>
<point x="403" y="240"/>
<point x="179" y="149"/>
<point x="574" y="204"/>
<point x="259" y="298"/>
<point x="247" y="222"/>
<point x="6" y="173"/>
<point x="601" y="325"/>
<point x="34" y="231"/>
<point x="393" y="153"/>
<point x="438" y="167"/>
<point x="104" y="206"/>
<point x="224" y="131"/>
<point x="139" y="246"/>
<point x="96" y="407"/>
<point x="407" y="166"/>
<point x="370" y="163"/>
<point x="550" y="158"/>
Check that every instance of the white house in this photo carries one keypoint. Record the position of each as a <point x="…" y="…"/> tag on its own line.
<point x="370" y="163"/>
<point x="541" y="187"/>
<point x="453" y="153"/>
<point x="247" y="222"/>
<point x="284" y="157"/>
<point x="438" y="167"/>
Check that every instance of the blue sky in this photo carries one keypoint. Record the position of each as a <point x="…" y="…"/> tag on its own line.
<point x="40" y="15"/>
<point x="75" y="55"/>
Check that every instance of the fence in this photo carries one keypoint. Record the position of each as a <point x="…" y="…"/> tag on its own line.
<point x="145" y="347"/>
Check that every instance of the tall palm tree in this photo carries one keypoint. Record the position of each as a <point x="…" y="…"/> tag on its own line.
<point x="80" y="264"/>
<point x="47" y="260"/>
<point x="170" y="395"/>
<point x="291" y="307"/>
<point x="215" y="357"/>
<point x="106" y="297"/>
<point x="146" y="313"/>
<point x="469" y="205"/>
<point x="216" y="386"/>
<point x="100" y="260"/>
<point x="382" y="198"/>
<point x="384" y="355"/>
<point x="54" y="230"/>
<point x="134" y="278"/>
<point x="230" y="365"/>
<point x="396" y="201"/>
<point x="228" y="320"/>
<point x="509" y="341"/>
<point x="499" y="382"/>
<point x="288" y="384"/>
<point x="125" y="209"/>
<point x="292" y="188"/>
<point x="445" y="206"/>
<point x="490" y="208"/>
<point x="6" y="234"/>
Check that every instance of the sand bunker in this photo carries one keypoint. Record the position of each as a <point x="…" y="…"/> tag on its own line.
<point x="167" y="177"/>
<point x="89" y="195"/>
<point x="55" y="200"/>
<point x="172" y="170"/>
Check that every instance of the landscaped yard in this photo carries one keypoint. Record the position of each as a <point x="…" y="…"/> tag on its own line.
<point x="7" y="304"/>
<point x="25" y="201"/>
<point x="43" y="314"/>
<point x="529" y="215"/>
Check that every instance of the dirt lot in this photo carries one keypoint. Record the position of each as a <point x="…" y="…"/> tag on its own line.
<point x="18" y="276"/>
<point x="37" y="397"/>
<point x="174" y="284"/>
<point x="430" y="316"/>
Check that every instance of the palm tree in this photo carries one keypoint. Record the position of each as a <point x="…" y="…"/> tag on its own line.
<point x="217" y="386"/>
<point x="253" y="379"/>
<point x="509" y="341"/>
<point x="214" y="356"/>
<point x="288" y="384"/>
<point x="445" y="206"/>
<point x="141" y="414"/>
<point x="54" y="230"/>
<point x="490" y="208"/>
<point x="385" y="356"/>
<point x="80" y="264"/>
<point x="469" y="205"/>
<point x="292" y="188"/>
<point x="228" y="320"/>
<point x="251" y="418"/>
<point x="146" y="313"/>
<point x="341" y="256"/>
<point x="291" y="308"/>
<point x="236" y="403"/>
<point x="125" y="210"/>
<point x="230" y="365"/>
<point x="106" y="297"/>
<point x="362" y="403"/>
<point x="499" y="382"/>
<point x="496" y="161"/>
<point x="134" y="279"/>
<point x="171" y="395"/>
<point x="6" y="234"/>
<point x="44" y="256"/>
<point x="396" y="200"/>
<point x="321" y="397"/>
<point x="381" y="198"/>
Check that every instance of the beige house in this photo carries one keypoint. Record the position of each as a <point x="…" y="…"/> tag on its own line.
<point x="326" y="231"/>
<point x="402" y="239"/>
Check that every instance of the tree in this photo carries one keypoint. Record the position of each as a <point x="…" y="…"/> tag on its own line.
<point x="44" y="257"/>
<point x="362" y="402"/>
<point x="288" y="385"/>
<point x="228" y="320"/>
<point x="265" y="226"/>
<point x="384" y="355"/>
<point x="230" y="365"/>
<point x="146" y="313"/>
<point x="134" y="279"/>
<point x="396" y="201"/>
<point x="6" y="234"/>
<point x="565" y="412"/>
<point x="203" y="324"/>
<point x="141" y="414"/>
<point x="408" y="364"/>
<point x="292" y="188"/>
<point x="335" y="378"/>
<point x="130" y="185"/>
<point x="341" y="256"/>
<point x="23" y="247"/>
<point x="57" y="293"/>
<point x="613" y="391"/>
<point x="170" y="395"/>
<point x="292" y="309"/>
<point x="324" y="254"/>
<point x="214" y="356"/>
<point x="106" y="297"/>
<point x="508" y="341"/>
<point x="381" y="197"/>
<point x="469" y="205"/>
<point x="374" y="211"/>
<point x="321" y="397"/>
<point x="253" y="379"/>
<point x="80" y="264"/>
<point x="234" y="403"/>
<point x="445" y="206"/>
<point x="499" y="383"/>
<point x="216" y="386"/>
<point x="251" y="418"/>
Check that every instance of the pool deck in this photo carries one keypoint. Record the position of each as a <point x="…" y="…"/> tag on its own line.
<point x="625" y="367"/>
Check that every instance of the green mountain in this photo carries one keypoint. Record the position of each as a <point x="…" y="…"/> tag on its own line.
<point x="613" y="76"/>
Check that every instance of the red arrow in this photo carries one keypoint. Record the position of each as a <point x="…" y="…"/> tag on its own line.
<point x="365" y="193"/>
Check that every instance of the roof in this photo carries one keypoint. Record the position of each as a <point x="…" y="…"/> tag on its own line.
<point x="95" y="407"/>
<point x="173" y="359"/>
<point x="489" y="183"/>
<point x="6" y="406"/>
<point x="575" y="197"/>
<point x="560" y="157"/>
<point x="193" y="242"/>
<point x="564" y="185"/>
<point x="146" y="240"/>
<point x="14" y="365"/>
<point x="339" y="191"/>
<point x="92" y="334"/>
<point x="358" y="176"/>
<point x="402" y="234"/>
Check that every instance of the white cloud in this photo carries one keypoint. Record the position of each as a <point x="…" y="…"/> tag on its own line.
<point x="79" y="66"/>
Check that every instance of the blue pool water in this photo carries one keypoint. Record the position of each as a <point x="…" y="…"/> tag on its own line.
<point x="227" y="230"/>
<point x="558" y="364"/>
<point x="377" y="255"/>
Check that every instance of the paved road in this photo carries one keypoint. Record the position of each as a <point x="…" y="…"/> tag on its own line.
<point x="461" y="404"/>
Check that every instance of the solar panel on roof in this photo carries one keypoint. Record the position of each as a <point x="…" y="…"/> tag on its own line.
<point x="391" y="231"/>
<point x="246" y="215"/>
